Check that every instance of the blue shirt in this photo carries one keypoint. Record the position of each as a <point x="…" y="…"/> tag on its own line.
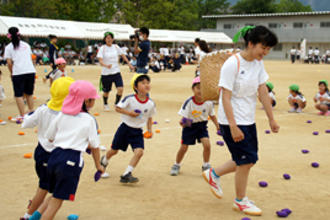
<point x="143" y="58"/>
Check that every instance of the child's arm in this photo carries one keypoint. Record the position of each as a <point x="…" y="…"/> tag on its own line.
<point x="31" y="120"/>
<point x="10" y="66"/>
<point x="96" y="158"/>
<point x="215" y="121"/>
<point x="265" y="100"/>
<point x="124" y="111"/>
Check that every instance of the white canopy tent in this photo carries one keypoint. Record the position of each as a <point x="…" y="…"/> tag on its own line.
<point x="188" y="36"/>
<point x="38" y="27"/>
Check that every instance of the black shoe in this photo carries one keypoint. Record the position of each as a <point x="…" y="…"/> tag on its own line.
<point x="128" y="178"/>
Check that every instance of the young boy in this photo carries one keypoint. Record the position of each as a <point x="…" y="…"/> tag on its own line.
<point x="136" y="111"/>
<point x="194" y="122"/>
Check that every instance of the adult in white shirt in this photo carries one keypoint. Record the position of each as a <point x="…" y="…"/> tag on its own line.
<point x="243" y="76"/>
<point x="108" y="56"/>
<point x="310" y="55"/>
<point x="317" y="55"/>
<point x="197" y="49"/>
<point x="204" y="49"/>
<point x="18" y="55"/>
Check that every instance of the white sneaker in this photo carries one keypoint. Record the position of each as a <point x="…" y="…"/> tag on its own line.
<point x="2" y="122"/>
<point x="247" y="206"/>
<point x="214" y="183"/>
<point x="106" y="108"/>
<point x="292" y="110"/>
<point x="299" y="110"/>
<point x="105" y="175"/>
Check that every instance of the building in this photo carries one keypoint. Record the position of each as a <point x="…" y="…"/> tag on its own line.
<point x="290" y="28"/>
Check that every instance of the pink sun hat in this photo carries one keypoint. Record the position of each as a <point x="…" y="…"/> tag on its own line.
<point x="196" y="80"/>
<point x="60" y="61"/>
<point x="78" y="92"/>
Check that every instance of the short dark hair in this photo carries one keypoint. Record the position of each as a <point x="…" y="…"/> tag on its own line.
<point x="52" y="36"/>
<point x="197" y="40"/>
<point x="107" y="34"/>
<point x="195" y="84"/>
<point x="261" y="34"/>
<point x="140" y="79"/>
<point x="144" y="30"/>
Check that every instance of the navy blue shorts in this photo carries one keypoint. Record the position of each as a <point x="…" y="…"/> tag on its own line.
<point x="126" y="135"/>
<point x="142" y="70"/>
<point x="108" y="80"/>
<point x="41" y="158"/>
<point x="23" y="84"/>
<point x="64" y="173"/>
<point x="245" y="151"/>
<point x="197" y="131"/>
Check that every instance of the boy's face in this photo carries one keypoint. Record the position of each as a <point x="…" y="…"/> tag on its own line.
<point x="89" y="103"/>
<point x="293" y="92"/>
<point x="62" y="66"/>
<point x="321" y="87"/>
<point x="143" y="87"/>
<point x="197" y="90"/>
<point x="54" y="40"/>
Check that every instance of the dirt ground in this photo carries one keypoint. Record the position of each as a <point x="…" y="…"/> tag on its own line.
<point x="161" y="196"/>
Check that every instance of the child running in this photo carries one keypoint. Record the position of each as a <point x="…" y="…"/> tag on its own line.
<point x="71" y="132"/>
<point x="58" y="72"/>
<point x="195" y="115"/>
<point x="243" y="76"/>
<point x="136" y="111"/>
<point x="322" y="98"/>
<point x="41" y="118"/>
<point x="296" y="99"/>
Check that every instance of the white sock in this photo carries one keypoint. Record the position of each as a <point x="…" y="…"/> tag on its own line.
<point x="128" y="170"/>
<point x="177" y="164"/>
<point x="105" y="160"/>
<point x="26" y="216"/>
<point x="205" y="164"/>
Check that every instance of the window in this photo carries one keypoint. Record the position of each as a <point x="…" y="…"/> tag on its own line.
<point x="278" y="47"/>
<point x="298" y="25"/>
<point x="325" y="24"/>
<point x="227" y="26"/>
<point x="273" y="25"/>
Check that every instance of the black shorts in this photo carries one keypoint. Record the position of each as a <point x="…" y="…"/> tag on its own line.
<point x="126" y="135"/>
<point x="197" y="131"/>
<point x="41" y="158"/>
<point x="23" y="84"/>
<point x="64" y="170"/>
<point x="109" y="79"/>
<point x="245" y="151"/>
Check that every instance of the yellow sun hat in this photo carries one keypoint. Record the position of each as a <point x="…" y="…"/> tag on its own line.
<point x="135" y="77"/>
<point x="59" y="90"/>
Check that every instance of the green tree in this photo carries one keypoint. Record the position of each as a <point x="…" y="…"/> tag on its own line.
<point x="292" y="6"/>
<point x="254" y="6"/>
<point x="210" y="7"/>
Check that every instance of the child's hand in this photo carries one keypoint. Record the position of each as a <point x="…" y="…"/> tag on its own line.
<point x="180" y="122"/>
<point x="134" y="114"/>
<point x="321" y="99"/>
<point x="109" y="66"/>
<point x="315" y="99"/>
<point x="236" y="134"/>
<point x="274" y="126"/>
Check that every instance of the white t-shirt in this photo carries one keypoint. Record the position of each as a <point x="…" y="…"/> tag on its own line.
<point x="21" y="57"/>
<point x="124" y="49"/>
<point x="310" y="52"/>
<point x="57" y="74"/>
<point x="272" y="96"/>
<point x="316" y="52"/>
<point x="325" y="95"/>
<point x="197" y="51"/>
<point x="74" y="132"/>
<point x="41" y="117"/>
<point x="166" y="51"/>
<point x="244" y="83"/>
<point x="328" y="52"/>
<point x="293" y="51"/>
<point x="110" y="55"/>
<point x="132" y="103"/>
<point x="297" y="97"/>
<point x="198" y="112"/>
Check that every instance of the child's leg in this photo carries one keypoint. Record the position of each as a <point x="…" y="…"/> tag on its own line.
<point x="111" y="153"/>
<point x="241" y="179"/>
<point x="182" y="151"/>
<point x="207" y="149"/>
<point x="138" y="153"/>
<point x="52" y="208"/>
<point x="29" y="100"/>
<point x="301" y="104"/>
<point x="323" y="108"/>
<point x="291" y="103"/>
<point x="119" y="94"/>
<point x="228" y="167"/>
<point x="105" y="98"/>
<point x="20" y="105"/>
<point x="37" y="200"/>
